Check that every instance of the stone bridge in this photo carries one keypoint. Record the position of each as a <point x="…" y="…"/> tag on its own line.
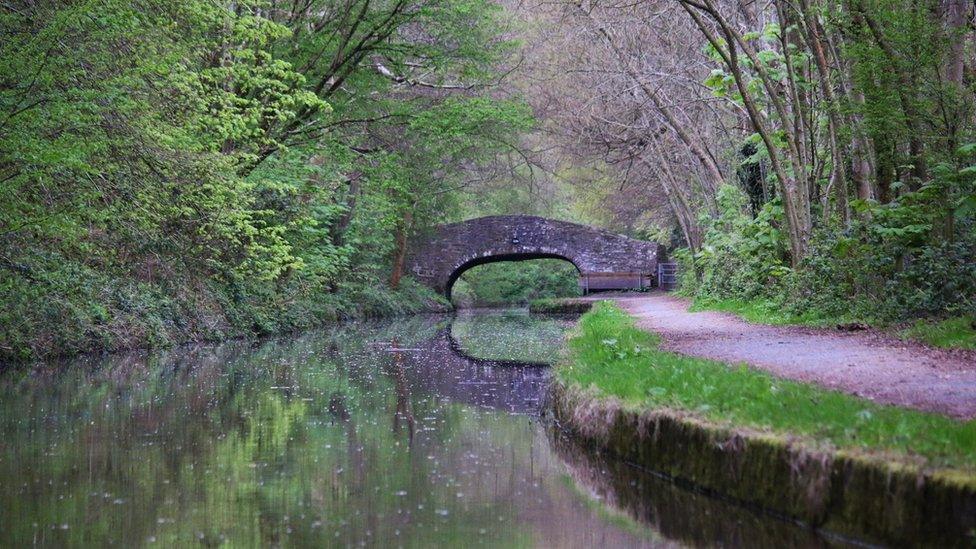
<point x="605" y="261"/>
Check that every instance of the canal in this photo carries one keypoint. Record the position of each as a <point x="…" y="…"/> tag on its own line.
<point x="415" y="432"/>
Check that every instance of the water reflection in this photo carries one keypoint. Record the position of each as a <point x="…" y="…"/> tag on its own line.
<point x="379" y="434"/>
<point x="676" y="512"/>
<point x="439" y="367"/>
<point x="509" y="336"/>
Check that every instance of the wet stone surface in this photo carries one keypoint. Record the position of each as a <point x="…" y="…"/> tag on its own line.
<point x="413" y="433"/>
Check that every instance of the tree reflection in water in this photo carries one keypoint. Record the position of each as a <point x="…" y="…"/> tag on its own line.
<point x="290" y="442"/>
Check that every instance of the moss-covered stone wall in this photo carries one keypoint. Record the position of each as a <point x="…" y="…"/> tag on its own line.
<point x="860" y="497"/>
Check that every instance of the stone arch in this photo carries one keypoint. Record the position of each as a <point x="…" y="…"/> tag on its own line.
<point x="604" y="260"/>
<point x="471" y="262"/>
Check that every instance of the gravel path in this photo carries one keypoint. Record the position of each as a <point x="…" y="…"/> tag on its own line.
<point x="866" y="364"/>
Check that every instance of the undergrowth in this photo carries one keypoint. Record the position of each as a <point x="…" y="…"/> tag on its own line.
<point x="610" y="355"/>
<point x="952" y="333"/>
<point x="62" y="307"/>
<point x="763" y="311"/>
<point x="895" y="263"/>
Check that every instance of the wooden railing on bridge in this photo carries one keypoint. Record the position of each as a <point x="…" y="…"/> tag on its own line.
<point x="615" y="281"/>
<point x="666" y="278"/>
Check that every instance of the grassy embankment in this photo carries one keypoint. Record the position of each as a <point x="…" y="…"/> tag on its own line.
<point x="611" y="358"/>
<point x="69" y="309"/>
<point x="951" y="333"/>
<point x="827" y="459"/>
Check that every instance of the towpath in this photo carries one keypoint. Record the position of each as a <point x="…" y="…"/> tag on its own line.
<point x="867" y="364"/>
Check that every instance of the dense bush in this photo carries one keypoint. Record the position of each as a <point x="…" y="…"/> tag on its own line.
<point x="62" y="307"/>
<point x="914" y="257"/>
<point x="190" y="170"/>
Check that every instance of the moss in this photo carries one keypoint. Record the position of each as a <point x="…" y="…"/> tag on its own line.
<point x="675" y="509"/>
<point x="851" y="494"/>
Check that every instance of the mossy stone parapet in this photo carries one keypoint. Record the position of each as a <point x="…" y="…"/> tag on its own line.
<point x="855" y="496"/>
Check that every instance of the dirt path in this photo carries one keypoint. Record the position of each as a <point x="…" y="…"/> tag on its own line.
<point x="866" y="364"/>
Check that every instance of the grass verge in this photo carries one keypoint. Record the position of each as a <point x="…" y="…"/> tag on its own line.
<point x="952" y="333"/>
<point x="611" y="357"/>
<point x="761" y="312"/>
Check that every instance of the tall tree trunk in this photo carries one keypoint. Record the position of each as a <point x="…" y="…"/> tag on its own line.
<point x="837" y="177"/>
<point x="861" y="171"/>
<point x="796" y="199"/>
<point x="916" y="148"/>
<point x="862" y="153"/>
<point x="400" y="252"/>
<point x="676" y="199"/>
<point x="734" y="37"/>
<point x="352" y="196"/>
<point x="957" y="14"/>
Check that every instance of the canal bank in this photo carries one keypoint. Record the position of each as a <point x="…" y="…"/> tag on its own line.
<point x="420" y="431"/>
<point x="828" y="460"/>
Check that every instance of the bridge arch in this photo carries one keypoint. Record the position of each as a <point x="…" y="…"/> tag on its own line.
<point x="604" y="260"/>
<point x="471" y="262"/>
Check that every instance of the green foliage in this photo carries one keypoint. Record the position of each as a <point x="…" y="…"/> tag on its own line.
<point x="516" y="283"/>
<point x="196" y="169"/>
<point x="740" y="255"/>
<point x="613" y="358"/>
<point x="906" y="89"/>
<point x="913" y="257"/>
<point x="145" y="142"/>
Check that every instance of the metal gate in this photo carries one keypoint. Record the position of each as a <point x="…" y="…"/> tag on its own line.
<point x="667" y="276"/>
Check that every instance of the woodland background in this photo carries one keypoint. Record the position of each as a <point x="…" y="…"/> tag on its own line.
<point x="197" y="169"/>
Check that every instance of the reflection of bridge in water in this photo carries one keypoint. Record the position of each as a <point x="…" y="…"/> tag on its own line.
<point x="439" y="366"/>
<point x="675" y="513"/>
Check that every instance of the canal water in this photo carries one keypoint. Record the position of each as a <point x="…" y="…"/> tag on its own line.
<point x="418" y="432"/>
